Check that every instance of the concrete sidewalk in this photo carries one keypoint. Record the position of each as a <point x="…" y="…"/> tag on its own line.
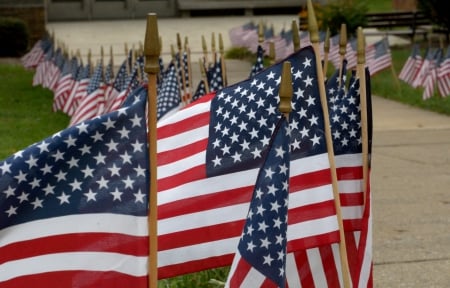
<point x="410" y="159"/>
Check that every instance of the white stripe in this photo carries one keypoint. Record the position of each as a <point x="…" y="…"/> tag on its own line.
<point x="181" y="165"/>
<point x="292" y="273"/>
<point x="254" y="278"/>
<point x="316" y="265"/>
<point x="312" y="228"/>
<point x="348" y="160"/>
<point x="179" y="140"/>
<point x="88" y="261"/>
<point x="197" y="252"/>
<point x="184" y="114"/>
<point x="337" y="259"/>
<point x="350" y="186"/>
<point x="352" y="212"/>
<point x="310" y="196"/>
<point x="84" y="223"/>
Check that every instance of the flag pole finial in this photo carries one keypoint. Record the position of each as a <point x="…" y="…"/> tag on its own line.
<point x="151" y="45"/>
<point x="312" y="23"/>
<point x="295" y="35"/>
<point x="343" y="39"/>
<point x="361" y="47"/>
<point x="286" y="89"/>
<point x="260" y="32"/>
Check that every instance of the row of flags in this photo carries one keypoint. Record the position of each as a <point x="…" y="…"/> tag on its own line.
<point x="378" y="54"/>
<point x="429" y="69"/>
<point x="239" y="184"/>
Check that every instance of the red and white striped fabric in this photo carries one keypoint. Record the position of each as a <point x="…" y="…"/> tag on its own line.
<point x="443" y="78"/>
<point x="62" y="92"/>
<point x="78" y="92"/>
<point x="89" y="106"/>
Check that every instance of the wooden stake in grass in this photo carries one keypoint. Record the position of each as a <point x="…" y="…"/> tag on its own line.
<point x="295" y="36"/>
<point x="326" y="50"/>
<point x="222" y="61"/>
<point x="314" y="37"/>
<point x="151" y="51"/>
<point x="286" y="90"/>
<point x="342" y="51"/>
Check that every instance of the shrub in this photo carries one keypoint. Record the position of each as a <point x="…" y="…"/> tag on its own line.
<point x="350" y="12"/>
<point x="437" y="11"/>
<point x="13" y="36"/>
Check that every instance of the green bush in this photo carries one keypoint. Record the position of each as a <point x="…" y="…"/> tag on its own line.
<point x="13" y="36"/>
<point x="350" y="12"/>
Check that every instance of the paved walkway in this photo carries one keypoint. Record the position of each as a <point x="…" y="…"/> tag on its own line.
<point x="410" y="164"/>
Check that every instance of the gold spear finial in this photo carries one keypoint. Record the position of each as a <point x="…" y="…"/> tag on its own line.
<point x="361" y="46"/>
<point x="295" y="35"/>
<point x="286" y="90"/>
<point x="343" y="39"/>
<point x="312" y="23"/>
<point x="151" y="49"/>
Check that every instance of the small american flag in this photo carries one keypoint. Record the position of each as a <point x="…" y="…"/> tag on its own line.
<point x="260" y="260"/>
<point x="443" y="81"/>
<point x="259" y="64"/>
<point x="378" y="56"/>
<point x="169" y="96"/>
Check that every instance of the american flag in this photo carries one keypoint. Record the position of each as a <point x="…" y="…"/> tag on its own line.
<point x="208" y="159"/>
<point x="36" y="55"/>
<point x="200" y="91"/>
<point x="90" y="105"/>
<point x="237" y="33"/>
<point x="259" y="64"/>
<point x="378" y="56"/>
<point x="260" y="259"/>
<point x="419" y="80"/>
<point x="215" y="76"/>
<point x="65" y="83"/>
<point x="74" y="206"/>
<point x="78" y="90"/>
<point x="169" y="97"/>
<point x="42" y="68"/>
<point x="429" y="83"/>
<point x="119" y="84"/>
<point x="443" y="81"/>
<point x="408" y="71"/>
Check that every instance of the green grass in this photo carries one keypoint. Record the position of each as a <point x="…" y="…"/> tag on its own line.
<point x="25" y="111"/>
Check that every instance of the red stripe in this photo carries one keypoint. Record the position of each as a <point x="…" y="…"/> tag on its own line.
<point x="240" y="273"/>
<point x="349" y="173"/>
<point x="187" y="176"/>
<point x="200" y="235"/>
<point x="105" y="242"/>
<point x="351" y="199"/>
<point x="313" y="241"/>
<point x="177" y="128"/>
<point x="183" y="152"/>
<point x="194" y="266"/>
<point x="303" y="268"/>
<point x="329" y="266"/>
<point x="309" y="180"/>
<point x="78" y="279"/>
<point x="205" y="202"/>
<point x="312" y="212"/>
<point x="352" y="256"/>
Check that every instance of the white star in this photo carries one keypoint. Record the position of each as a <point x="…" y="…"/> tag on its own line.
<point x="100" y="158"/>
<point x="313" y="120"/>
<point x="269" y="172"/>
<point x="82" y="128"/>
<point x="128" y="182"/>
<point x="73" y="162"/>
<point x="236" y="157"/>
<point x="117" y="195"/>
<point x="31" y="161"/>
<point x="307" y="63"/>
<point x="63" y="198"/>
<point x="139" y="196"/>
<point x="279" y="152"/>
<point x="70" y="141"/>
<point x="271" y="75"/>
<point x="308" y="81"/>
<point x="315" y="140"/>
<point x="275" y="206"/>
<point x="109" y="123"/>
<point x="5" y="167"/>
<point x="23" y="197"/>
<point x="250" y="246"/>
<point x="90" y="195"/>
<point x="226" y="149"/>
<point x="251" y="114"/>
<point x="269" y="91"/>
<point x="271" y="189"/>
<point x="277" y="222"/>
<point x="85" y="149"/>
<point x="87" y="172"/>
<point x="61" y="176"/>
<point x="140" y="171"/>
<point x="256" y="153"/>
<point x="76" y="185"/>
<point x="262" y="226"/>
<point x="123" y="133"/>
<point x="102" y="183"/>
<point x="11" y="211"/>
<point x="137" y="146"/>
<point x="112" y="146"/>
<point x="43" y="147"/>
<point x="302" y="113"/>
<point x="136" y="121"/>
<point x="126" y="158"/>
<point x="9" y="192"/>
<point x="97" y="137"/>
<point x="49" y="189"/>
<point x="267" y="260"/>
<point x="260" y="210"/>
<point x="35" y="183"/>
<point x="37" y="203"/>
<point x="295" y="145"/>
<point x="217" y="161"/>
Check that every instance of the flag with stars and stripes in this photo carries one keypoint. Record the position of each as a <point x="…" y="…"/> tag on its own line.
<point x="378" y="56"/>
<point x="209" y="154"/>
<point x="73" y="207"/>
<point x="408" y="71"/>
<point x="200" y="91"/>
<point x="258" y="65"/>
<point x="215" y="76"/>
<point x="260" y="259"/>
<point x="79" y="90"/>
<point x="443" y="77"/>
<point x="91" y="104"/>
<point x="169" y="97"/>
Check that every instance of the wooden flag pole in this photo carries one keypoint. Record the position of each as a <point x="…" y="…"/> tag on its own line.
<point x="295" y="36"/>
<point x="272" y="55"/>
<point x="183" y="75"/>
<point x="361" y="73"/>
<point x="213" y="48"/>
<point x="151" y="51"/>
<point x="286" y="90"/>
<point x="314" y="36"/>
<point x="205" y="51"/>
<point x="188" y="53"/>
<point x="203" y="73"/>
<point x="260" y="33"/>
<point x="111" y="59"/>
<point x="127" y="66"/>
<point x="326" y="50"/>
<point x="222" y="61"/>
<point x="342" y="50"/>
